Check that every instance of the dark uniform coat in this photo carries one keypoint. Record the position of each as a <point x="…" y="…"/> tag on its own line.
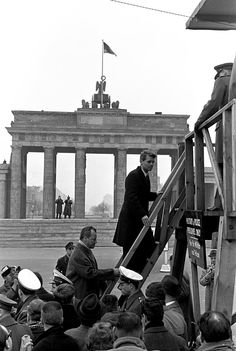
<point x="132" y="303"/>
<point x="18" y="330"/>
<point x="21" y="313"/>
<point x="219" y="98"/>
<point x="83" y="271"/>
<point x="135" y="206"/>
<point x="59" y="203"/>
<point x="62" y="263"/>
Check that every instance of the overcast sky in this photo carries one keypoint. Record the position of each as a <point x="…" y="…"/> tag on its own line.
<point x="51" y="58"/>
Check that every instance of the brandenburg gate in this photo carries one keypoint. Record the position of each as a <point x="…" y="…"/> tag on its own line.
<point x="108" y="130"/>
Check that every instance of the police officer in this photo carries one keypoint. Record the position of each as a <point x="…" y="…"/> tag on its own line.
<point x="219" y="98"/>
<point x="131" y="296"/>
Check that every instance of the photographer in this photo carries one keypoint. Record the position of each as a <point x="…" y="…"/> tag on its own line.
<point x="207" y="279"/>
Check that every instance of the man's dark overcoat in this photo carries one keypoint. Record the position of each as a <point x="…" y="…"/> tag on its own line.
<point x="159" y="338"/>
<point x="83" y="271"/>
<point x="135" y="206"/>
<point x="62" y="263"/>
<point x="54" y="339"/>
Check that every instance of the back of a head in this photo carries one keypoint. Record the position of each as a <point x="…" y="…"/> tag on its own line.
<point x="153" y="310"/>
<point x="110" y="303"/>
<point x="214" y="326"/>
<point x="52" y="313"/>
<point x="86" y="232"/>
<point x="64" y="293"/>
<point x="129" y="324"/>
<point x="34" y="309"/>
<point x="100" y="337"/>
<point x="155" y="290"/>
<point x="171" y="286"/>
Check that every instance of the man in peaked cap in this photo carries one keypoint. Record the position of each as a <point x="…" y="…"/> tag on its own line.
<point x="58" y="279"/>
<point x="17" y="330"/>
<point x="131" y="296"/>
<point x="7" y="274"/>
<point x="219" y="98"/>
<point x="28" y="285"/>
<point x="62" y="262"/>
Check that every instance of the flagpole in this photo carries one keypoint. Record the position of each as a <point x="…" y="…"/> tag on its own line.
<point x="102" y="75"/>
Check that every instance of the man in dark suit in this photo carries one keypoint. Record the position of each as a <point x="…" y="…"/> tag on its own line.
<point x="82" y="267"/>
<point x="62" y="262"/>
<point x="134" y="212"/>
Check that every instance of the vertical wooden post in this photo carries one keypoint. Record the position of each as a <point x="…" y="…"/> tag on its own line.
<point x="189" y="179"/>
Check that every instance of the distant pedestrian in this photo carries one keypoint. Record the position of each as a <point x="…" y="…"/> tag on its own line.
<point x="62" y="262"/>
<point x="67" y="207"/>
<point x="59" y="202"/>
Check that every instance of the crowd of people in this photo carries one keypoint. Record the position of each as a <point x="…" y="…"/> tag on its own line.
<point x="77" y="315"/>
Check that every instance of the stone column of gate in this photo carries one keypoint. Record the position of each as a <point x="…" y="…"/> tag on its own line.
<point x="174" y="159"/>
<point x="153" y="176"/>
<point x="49" y="183"/>
<point x="16" y="182"/>
<point x="119" y="181"/>
<point x="3" y="190"/>
<point x="80" y="180"/>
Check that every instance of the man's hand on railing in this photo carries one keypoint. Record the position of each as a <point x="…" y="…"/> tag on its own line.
<point x="146" y="221"/>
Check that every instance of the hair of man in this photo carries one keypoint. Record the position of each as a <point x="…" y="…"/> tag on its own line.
<point x="86" y="232"/>
<point x="146" y="153"/>
<point x="52" y="313"/>
<point x="214" y="326"/>
<point x="128" y="324"/>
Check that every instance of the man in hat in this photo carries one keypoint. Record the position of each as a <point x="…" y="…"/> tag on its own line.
<point x="62" y="262"/>
<point x="58" y="279"/>
<point x="89" y="311"/>
<point x="53" y="337"/>
<point x="134" y="212"/>
<point x="207" y="279"/>
<point x="28" y="284"/>
<point x="219" y="98"/>
<point x="131" y="296"/>
<point x="17" y="330"/>
<point x="82" y="267"/>
<point x="7" y="273"/>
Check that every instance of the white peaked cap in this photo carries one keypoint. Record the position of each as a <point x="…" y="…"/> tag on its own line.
<point x="127" y="274"/>
<point x="59" y="275"/>
<point x="28" y="280"/>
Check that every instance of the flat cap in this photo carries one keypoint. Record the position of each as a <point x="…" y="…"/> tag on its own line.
<point x="227" y="65"/>
<point x="129" y="276"/>
<point x="6" y="303"/>
<point x="28" y="280"/>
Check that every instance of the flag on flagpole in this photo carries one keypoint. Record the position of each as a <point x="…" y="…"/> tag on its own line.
<point x="107" y="49"/>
